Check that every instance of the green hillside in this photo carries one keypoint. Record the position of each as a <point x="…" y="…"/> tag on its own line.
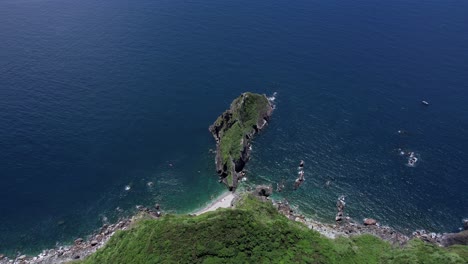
<point x="255" y="232"/>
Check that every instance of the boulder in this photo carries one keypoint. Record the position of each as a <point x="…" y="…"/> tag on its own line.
<point x="78" y="241"/>
<point x="94" y="242"/>
<point x="465" y="224"/>
<point x="370" y="221"/>
<point x="2" y="256"/>
<point x="339" y="216"/>
<point x="264" y="190"/>
<point x="340" y="204"/>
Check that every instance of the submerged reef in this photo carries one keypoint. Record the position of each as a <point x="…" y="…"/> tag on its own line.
<point x="234" y="131"/>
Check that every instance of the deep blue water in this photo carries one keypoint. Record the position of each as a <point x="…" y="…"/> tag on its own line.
<point x="97" y="95"/>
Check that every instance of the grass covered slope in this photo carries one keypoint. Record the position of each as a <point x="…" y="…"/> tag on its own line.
<point x="255" y="232"/>
<point x="233" y="131"/>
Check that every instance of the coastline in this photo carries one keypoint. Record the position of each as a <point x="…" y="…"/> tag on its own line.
<point x="82" y="248"/>
<point x="85" y="247"/>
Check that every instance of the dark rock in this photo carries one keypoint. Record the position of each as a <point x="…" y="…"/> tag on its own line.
<point x="460" y="238"/>
<point x="78" y="241"/>
<point x="76" y="257"/>
<point x="339" y="216"/>
<point x="157" y="206"/>
<point x="298" y="182"/>
<point x="370" y="221"/>
<point x="465" y="224"/>
<point x="94" y="242"/>
<point x="264" y="190"/>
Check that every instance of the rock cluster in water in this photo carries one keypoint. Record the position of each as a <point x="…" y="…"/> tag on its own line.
<point x="346" y="226"/>
<point x="340" y="205"/>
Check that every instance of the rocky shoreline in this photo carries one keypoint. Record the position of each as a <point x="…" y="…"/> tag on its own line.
<point x="82" y="248"/>
<point x="344" y="226"/>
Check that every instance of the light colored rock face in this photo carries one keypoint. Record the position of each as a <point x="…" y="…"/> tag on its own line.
<point x="370" y="221"/>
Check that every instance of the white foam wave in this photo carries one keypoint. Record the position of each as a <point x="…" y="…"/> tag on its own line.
<point x="272" y="99"/>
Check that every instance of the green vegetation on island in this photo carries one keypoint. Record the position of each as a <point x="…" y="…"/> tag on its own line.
<point x="254" y="232"/>
<point x="234" y="130"/>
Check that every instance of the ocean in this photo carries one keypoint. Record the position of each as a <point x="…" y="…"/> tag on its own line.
<point x="105" y="105"/>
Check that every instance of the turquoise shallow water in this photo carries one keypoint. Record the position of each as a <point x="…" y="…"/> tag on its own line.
<point x="98" y="95"/>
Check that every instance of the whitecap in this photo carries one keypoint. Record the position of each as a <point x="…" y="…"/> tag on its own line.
<point x="272" y="98"/>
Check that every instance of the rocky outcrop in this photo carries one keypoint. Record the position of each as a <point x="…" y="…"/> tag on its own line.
<point x="346" y="227"/>
<point x="82" y="248"/>
<point x="234" y="131"/>
<point x="340" y="206"/>
<point x="300" y="179"/>
<point x="264" y="190"/>
<point x="460" y="238"/>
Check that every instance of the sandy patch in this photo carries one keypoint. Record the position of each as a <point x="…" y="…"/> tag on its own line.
<point x="223" y="201"/>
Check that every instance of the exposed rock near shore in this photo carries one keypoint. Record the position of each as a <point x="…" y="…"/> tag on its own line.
<point x="460" y="238"/>
<point x="233" y="132"/>
<point x="370" y="221"/>
<point x="345" y="226"/>
<point x="340" y="206"/>
<point x="81" y="248"/>
<point x="264" y="190"/>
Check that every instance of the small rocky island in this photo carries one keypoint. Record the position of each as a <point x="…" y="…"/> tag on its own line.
<point x="234" y="131"/>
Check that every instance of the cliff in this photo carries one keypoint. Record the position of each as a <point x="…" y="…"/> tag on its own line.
<point x="233" y="132"/>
